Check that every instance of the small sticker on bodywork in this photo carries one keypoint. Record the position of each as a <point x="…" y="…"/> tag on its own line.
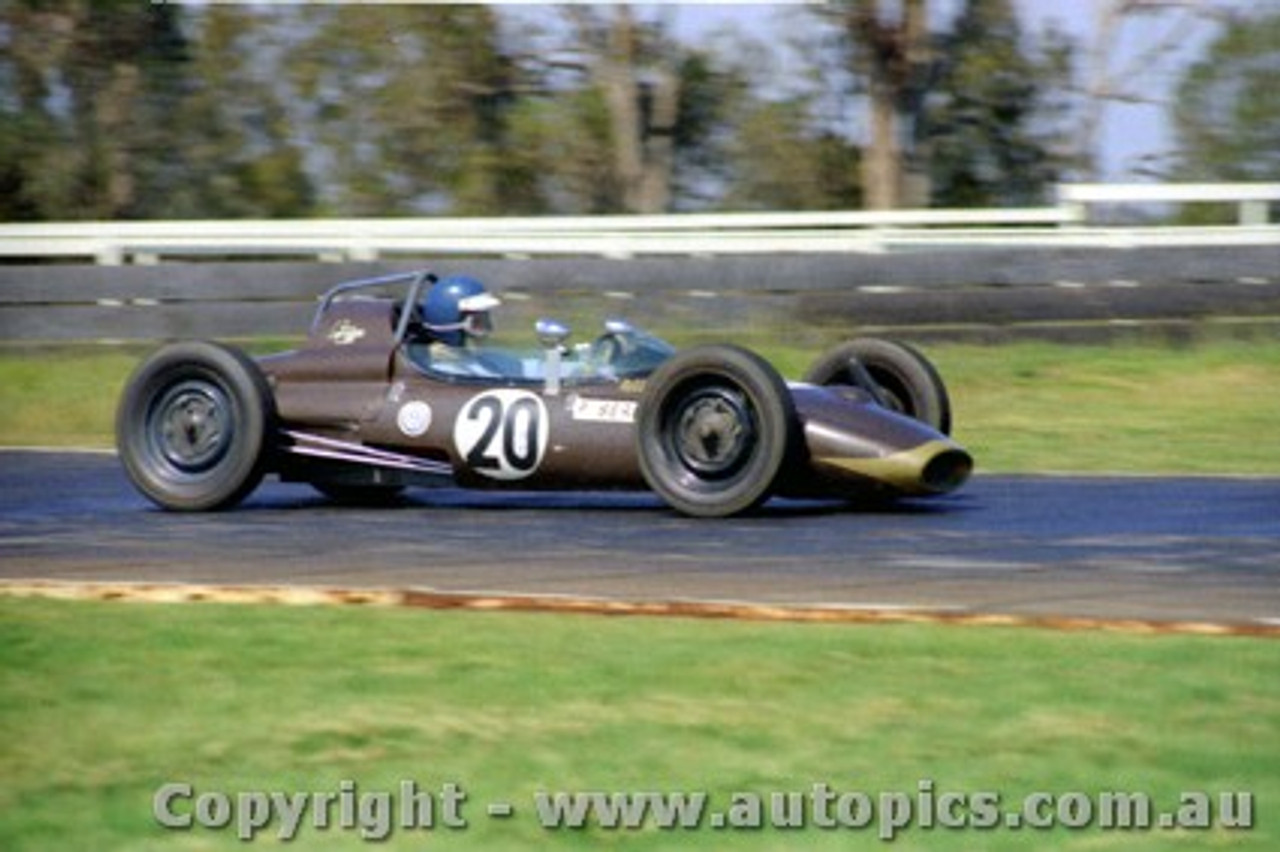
<point x="345" y="332"/>
<point x="604" y="410"/>
<point x="414" y="419"/>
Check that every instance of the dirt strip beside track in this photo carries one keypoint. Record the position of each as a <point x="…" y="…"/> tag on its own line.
<point x="427" y="599"/>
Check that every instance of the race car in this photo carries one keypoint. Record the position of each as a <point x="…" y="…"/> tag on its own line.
<point x="397" y="386"/>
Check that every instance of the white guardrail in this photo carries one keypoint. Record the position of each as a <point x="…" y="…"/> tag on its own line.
<point x="1066" y="224"/>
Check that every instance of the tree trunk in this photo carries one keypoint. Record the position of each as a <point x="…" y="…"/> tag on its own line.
<point x="642" y="117"/>
<point x="662" y="100"/>
<point x="895" y="54"/>
<point x="882" y="161"/>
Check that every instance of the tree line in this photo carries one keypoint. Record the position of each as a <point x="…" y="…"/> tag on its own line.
<point x="126" y="110"/>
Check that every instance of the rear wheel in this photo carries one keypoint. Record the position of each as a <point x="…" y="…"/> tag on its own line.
<point x="193" y="425"/>
<point x="715" y="430"/>
<point x="900" y="378"/>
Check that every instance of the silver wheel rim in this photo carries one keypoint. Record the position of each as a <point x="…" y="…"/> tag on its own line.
<point x="189" y="428"/>
<point x="712" y="432"/>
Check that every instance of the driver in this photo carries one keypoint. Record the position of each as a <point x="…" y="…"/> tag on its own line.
<point x="455" y="314"/>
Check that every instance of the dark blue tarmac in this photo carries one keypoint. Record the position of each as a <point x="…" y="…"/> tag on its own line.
<point x="1092" y="546"/>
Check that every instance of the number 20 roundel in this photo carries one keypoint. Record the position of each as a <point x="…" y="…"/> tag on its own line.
<point x="502" y="433"/>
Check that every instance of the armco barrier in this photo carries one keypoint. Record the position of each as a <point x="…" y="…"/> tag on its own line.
<point x="1070" y="223"/>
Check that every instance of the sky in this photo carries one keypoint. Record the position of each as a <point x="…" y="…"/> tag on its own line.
<point x="1132" y="137"/>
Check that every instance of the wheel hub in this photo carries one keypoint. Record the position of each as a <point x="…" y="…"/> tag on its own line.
<point x="190" y="428"/>
<point x="713" y="432"/>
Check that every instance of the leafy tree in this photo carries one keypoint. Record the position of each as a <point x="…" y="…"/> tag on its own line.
<point x="92" y="87"/>
<point x="568" y="137"/>
<point x="983" y="124"/>
<point x="613" y="83"/>
<point x="709" y="94"/>
<point x="621" y="117"/>
<point x="120" y="110"/>
<point x="965" y="112"/>
<point x="407" y="108"/>
<point x="780" y="164"/>
<point x="1227" y="111"/>
<point x="237" y="143"/>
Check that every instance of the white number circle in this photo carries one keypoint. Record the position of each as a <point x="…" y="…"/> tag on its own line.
<point x="502" y="434"/>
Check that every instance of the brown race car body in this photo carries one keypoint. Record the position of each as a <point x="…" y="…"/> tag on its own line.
<point x="366" y="407"/>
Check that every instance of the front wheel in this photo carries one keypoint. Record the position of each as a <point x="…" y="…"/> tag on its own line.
<point x="897" y="375"/>
<point x="193" y="425"/>
<point x="716" y="427"/>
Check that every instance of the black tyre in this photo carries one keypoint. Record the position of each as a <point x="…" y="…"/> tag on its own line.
<point x="348" y="494"/>
<point x="193" y="426"/>
<point x="902" y="379"/>
<point x="716" y="427"/>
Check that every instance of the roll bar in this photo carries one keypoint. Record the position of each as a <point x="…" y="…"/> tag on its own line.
<point x="417" y="282"/>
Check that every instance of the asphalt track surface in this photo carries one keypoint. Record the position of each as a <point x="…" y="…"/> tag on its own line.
<point x="1164" y="549"/>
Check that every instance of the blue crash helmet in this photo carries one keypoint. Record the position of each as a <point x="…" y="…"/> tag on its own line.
<point x="457" y="308"/>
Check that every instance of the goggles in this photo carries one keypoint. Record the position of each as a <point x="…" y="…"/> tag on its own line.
<point x="475" y="319"/>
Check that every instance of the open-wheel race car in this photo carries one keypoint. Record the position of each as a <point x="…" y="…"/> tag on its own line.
<point x="391" y="389"/>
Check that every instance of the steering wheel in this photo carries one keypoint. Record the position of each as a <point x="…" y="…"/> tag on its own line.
<point x="610" y="348"/>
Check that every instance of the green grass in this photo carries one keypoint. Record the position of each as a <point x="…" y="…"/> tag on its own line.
<point x="1142" y="409"/>
<point x="62" y="397"/>
<point x="1209" y="408"/>
<point x="65" y="396"/>
<point x="102" y="703"/>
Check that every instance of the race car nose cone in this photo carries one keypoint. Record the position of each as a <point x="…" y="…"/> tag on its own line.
<point x="855" y="444"/>
<point x="935" y="467"/>
<point x="947" y="471"/>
